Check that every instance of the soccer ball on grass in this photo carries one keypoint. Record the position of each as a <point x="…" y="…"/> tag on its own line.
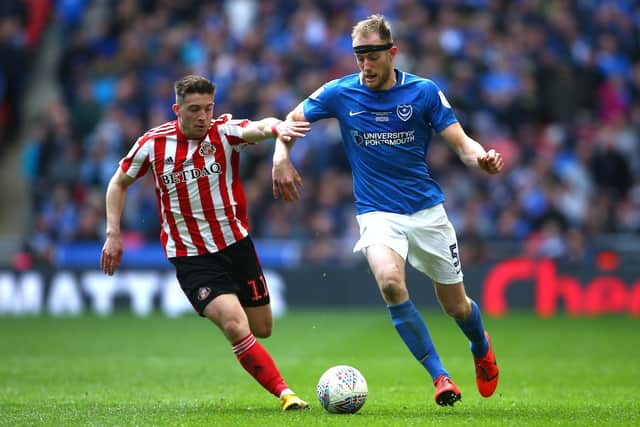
<point x="342" y="389"/>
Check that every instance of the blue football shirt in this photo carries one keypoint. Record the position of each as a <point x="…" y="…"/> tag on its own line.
<point x="386" y="135"/>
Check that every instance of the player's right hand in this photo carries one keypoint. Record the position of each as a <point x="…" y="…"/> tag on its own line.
<point x="111" y="255"/>
<point x="491" y="162"/>
<point x="285" y="180"/>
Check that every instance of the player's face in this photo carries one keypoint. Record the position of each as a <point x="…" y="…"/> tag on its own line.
<point x="195" y="114"/>
<point x="376" y="67"/>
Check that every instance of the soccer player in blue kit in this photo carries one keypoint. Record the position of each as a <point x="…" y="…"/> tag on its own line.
<point x="386" y="118"/>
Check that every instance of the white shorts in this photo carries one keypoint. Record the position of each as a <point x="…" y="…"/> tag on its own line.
<point x="426" y="237"/>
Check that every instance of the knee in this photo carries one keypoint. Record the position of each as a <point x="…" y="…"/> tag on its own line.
<point x="234" y="329"/>
<point x="262" y="330"/>
<point x="392" y="287"/>
<point x="459" y="310"/>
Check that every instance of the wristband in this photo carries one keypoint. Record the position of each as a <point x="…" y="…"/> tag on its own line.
<point x="274" y="130"/>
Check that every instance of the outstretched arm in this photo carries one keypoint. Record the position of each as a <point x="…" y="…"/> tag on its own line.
<point x="112" y="250"/>
<point x="471" y="153"/>
<point x="285" y="177"/>
<point x="271" y="127"/>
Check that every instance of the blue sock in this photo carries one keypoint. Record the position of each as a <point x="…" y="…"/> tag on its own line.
<point x="415" y="335"/>
<point x="474" y="330"/>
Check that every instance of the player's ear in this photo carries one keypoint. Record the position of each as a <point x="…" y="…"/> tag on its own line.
<point x="175" y="108"/>
<point x="393" y="51"/>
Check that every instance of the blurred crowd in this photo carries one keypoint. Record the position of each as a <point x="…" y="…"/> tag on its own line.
<point x="553" y="85"/>
<point x="22" y="24"/>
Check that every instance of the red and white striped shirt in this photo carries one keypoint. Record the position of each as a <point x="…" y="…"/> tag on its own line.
<point x="201" y="202"/>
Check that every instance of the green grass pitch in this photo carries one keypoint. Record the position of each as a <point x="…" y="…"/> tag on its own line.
<point x="124" y="370"/>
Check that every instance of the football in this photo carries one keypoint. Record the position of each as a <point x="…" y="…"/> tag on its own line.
<point x="342" y="389"/>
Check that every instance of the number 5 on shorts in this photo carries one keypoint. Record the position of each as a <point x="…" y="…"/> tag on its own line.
<point x="454" y="255"/>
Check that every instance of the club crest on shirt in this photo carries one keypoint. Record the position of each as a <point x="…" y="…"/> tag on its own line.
<point x="404" y="112"/>
<point x="207" y="149"/>
<point x="203" y="293"/>
<point x="356" y="137"/>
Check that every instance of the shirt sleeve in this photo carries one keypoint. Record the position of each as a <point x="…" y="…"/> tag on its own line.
<point x="437" y="108"/>
<point x="232" y="129"/>
<point x="136" y="163"/>
<point x="321" y="103"/>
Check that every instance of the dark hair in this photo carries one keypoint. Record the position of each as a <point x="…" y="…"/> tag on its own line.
<point x="192" y="84"/>
<point x="373" y="24"/>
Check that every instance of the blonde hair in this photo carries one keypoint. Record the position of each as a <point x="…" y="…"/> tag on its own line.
<point x="373" y="24"/>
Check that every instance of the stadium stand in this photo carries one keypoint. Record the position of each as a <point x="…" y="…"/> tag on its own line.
<point x="555" y="86"/>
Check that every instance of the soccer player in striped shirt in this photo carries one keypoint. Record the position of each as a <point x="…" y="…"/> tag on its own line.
<point x="194" y="161"/>
<point x="386" y="118"/>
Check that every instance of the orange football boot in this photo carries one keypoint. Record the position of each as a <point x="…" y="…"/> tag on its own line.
<point x="447" y="393"/>
<point x="486" y="371"/>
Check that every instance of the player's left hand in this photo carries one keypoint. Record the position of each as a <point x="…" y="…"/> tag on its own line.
<point x="491" y="162"/>
<point x="291" y="129"/>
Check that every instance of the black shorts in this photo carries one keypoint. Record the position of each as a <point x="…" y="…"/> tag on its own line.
<point x="233" y="270"/>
